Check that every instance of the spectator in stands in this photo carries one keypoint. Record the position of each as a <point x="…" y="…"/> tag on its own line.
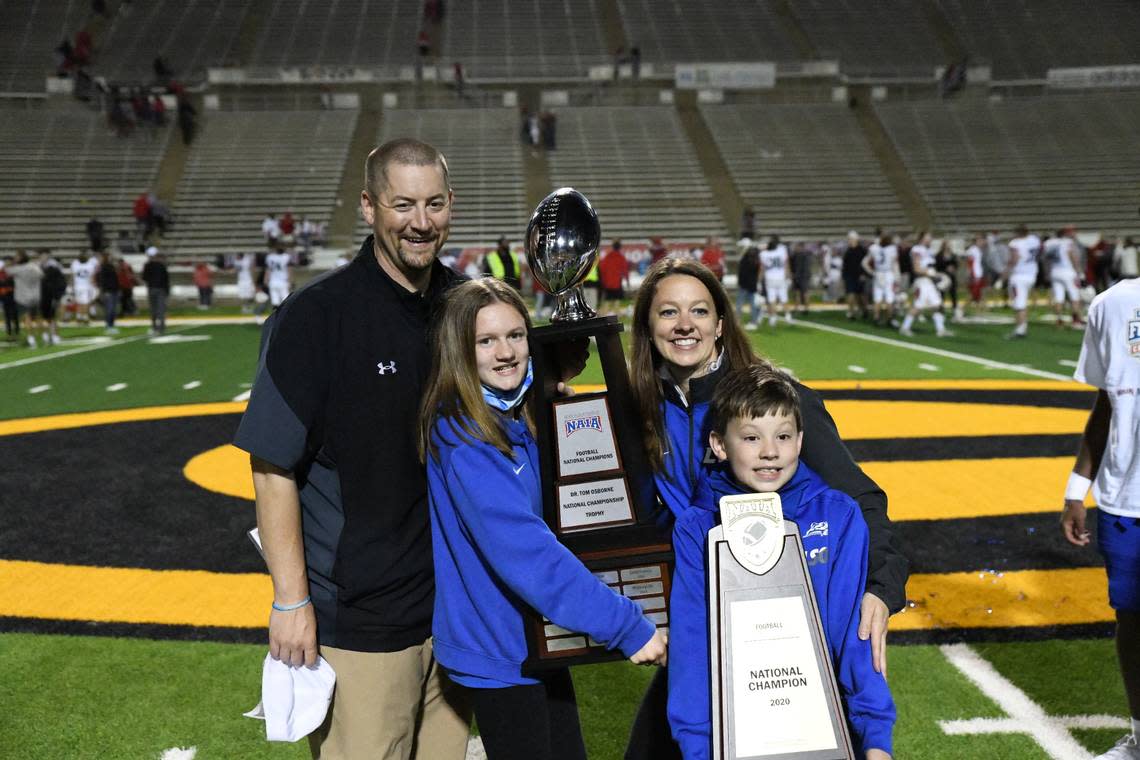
<point x="187" y="119"/>
<point x="157" y="279"/>
<point x="162" y="72"/>
<point x="27" y="277"/>
<point x="287" y="226"/>
<point x="801" y="275"/>
<point x="1125" y="262"/>
<point x="81" y="55"/>
<point x="99" y="8"/>
<point x="503" y="265"/>
<point x="141" y="212"/>
<point x="854" y="276"/>
<point x="306" y="235"/>
<point x="52" y="289"/>
<point x="613" y="271"/>
<point x="271" y="229"/>
<point x="713" y="257"/>
<point x="64" y="58"/>
<point x="127" y="283"/>
<point x="747" y="279"/>
<point x="159" y="215"/>
<point x="748" y="223"/>
<point x="457" y="76"/>
<point x="204" y="281"/>
<point x="95" y="234"/>
<point x="549" y="128"/>
<point x="107" y="280"/>
<point x="8" y="300"/>
<point x="158" y="110"/>
<point x="635" y="62"/>
<point x="126" y="244"/>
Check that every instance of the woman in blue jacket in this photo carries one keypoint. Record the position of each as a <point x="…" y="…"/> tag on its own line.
<point x="494" y="556"/>
<point x="686" y="337"/>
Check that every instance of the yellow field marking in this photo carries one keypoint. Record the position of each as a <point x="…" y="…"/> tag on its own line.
<point x="233" y="600"/>
<point x="224" y="469"/>
<point x="1018" y="598"/>
<point x="127" y="595"/>
<point x="86" y="419"/>
<point x="859" y="419"/>
<point x="952" y="488"/>
<point x="947" y="385"/>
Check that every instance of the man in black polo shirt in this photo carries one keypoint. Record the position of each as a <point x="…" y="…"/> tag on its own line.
<point x="341" y="496"/>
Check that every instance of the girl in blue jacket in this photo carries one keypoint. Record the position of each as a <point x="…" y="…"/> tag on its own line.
<point x="494" y="555"/>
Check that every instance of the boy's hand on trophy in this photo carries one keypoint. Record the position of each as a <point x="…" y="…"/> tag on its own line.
<point x="655" y="651"/>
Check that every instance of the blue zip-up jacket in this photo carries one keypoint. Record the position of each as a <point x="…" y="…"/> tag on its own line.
<point x="494" y="556"/>
<point x="835" y="544"/>
<point x="686" y="453"/>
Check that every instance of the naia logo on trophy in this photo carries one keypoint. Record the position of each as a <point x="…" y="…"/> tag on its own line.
<point x="589" y="422"/>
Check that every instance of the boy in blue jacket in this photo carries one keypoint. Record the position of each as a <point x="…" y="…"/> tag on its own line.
<point x="756" y="434"/>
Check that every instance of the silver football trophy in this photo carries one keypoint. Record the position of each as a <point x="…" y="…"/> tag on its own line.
<point x="597" y="489"/>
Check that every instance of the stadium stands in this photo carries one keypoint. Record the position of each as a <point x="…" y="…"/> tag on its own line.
<point x="887" y="37"/>
<point x="346" y="32"/>
<point x="59" y="169"/>
<point x="806" y="169"/>
<point x="485" y="161"/>
<point x="246" y="164"/>
<point x="189" y="35"/>
<point x="29" y="34"/>
<point x="523" y="40"/>
<point x="638" y="169"/>
<point x="1042" y="161"/>
<point x="735" y="30"/>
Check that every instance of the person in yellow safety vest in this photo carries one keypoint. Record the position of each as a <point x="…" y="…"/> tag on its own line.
<point x="503" y="265"/>
<point x="592" y="287"/>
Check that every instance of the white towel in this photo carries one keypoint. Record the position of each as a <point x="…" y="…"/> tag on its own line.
<point x="294" y="700"/>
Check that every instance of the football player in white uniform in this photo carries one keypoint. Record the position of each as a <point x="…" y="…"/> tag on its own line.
<point x="774" y="262"/>
<point x="83" y="285"/>
<point x="245" y="285"/>
<point x="1062" y="256"/>
<point x="882" y="264"/>
<point x="277" y="275"/>
<point x="975" y="255"/>
<point x="927" y="297"/>
<point x="1021" y="274"/>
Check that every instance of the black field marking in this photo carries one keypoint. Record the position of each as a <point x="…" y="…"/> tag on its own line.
<point x="1058" y="399"/>
<point x="963" y="447"/>
<point x="1006" y="543"/>
<point x="1002" y="635"/>
<point x="114" y="495"/>
<point x="135" y="630"/>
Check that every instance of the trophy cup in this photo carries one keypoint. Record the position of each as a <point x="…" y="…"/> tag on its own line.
<point x="597" y="487"/>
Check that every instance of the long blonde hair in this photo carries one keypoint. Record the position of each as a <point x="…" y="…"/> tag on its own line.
<point x="645" y="360"/>
<point x="453" y="390"/>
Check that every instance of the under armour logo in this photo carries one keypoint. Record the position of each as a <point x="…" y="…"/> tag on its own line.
<point x="384" y="369"/>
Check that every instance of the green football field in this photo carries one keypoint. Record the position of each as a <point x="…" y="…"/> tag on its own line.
<point x="125" y="574"/>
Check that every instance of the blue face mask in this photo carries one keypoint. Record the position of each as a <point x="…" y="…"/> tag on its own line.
<point x="505" y="401"/>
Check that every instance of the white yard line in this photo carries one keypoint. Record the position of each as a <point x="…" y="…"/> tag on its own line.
<point x="1025" y="715"/>
<point x="39" y="389"/>
<point x="80" y="350"/>
<point x="116" y="387"/>
<point x="1067" y="363"/>
<point x="857" y="369"/>
<point x="928" y="367"/>
<point x="992" y="364"/>
<point x="192" y="385"/>
<point x="243" y="396"/>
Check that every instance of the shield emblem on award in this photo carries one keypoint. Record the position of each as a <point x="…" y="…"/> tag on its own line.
<point x="754" y="528"/>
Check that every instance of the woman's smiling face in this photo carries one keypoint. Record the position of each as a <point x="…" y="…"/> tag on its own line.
<point x="684" y="325"/>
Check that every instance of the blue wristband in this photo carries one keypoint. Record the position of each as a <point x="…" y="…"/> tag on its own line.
<point x="290" y="607"/>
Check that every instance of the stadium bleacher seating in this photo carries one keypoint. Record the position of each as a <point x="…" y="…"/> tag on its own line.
<point x="984" y="165"/>
<point x="60" y="168"/>
<point x="29" y="34"/>
<point x="348" y="32"/>
<point x="806" y="169"/>
<point x="637" y="167"/>
<point x="735" y="30"/>
<point x="890" y="37"/>
<point x="485" y="162"/>
<point x="246" y="164"/>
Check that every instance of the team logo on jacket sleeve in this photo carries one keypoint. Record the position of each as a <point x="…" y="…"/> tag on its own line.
<point x="1134" y="335"/>
<point x="816" y="529"/>
<point x="754" y="527"/>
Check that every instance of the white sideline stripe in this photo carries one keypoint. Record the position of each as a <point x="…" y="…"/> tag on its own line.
<point x="857" y="369"/>
<point x="992" y="364"/>
<point x="1067" y="363"/>
<point x="80" y="350"/>
<point x="928" y="367"/>
<point x="116" y="387"/>
<point x="179" y="753"/>
<point x="192" y="385"/>
<point x="243" y="396"/>
<point x="1049" y="733"/>
<point x="39" y="389"/>
<point x="1011" y="726"/>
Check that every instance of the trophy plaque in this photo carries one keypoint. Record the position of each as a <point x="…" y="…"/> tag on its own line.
<point x="597" y="488"/>
<point x="773" y="688"/>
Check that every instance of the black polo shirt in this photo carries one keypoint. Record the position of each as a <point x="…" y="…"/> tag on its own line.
<point x="336" y="401"/>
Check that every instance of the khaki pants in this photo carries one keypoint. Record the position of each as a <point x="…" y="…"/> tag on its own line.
<point x="392" y="706"/>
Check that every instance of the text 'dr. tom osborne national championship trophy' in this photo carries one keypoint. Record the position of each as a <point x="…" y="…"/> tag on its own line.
<point x="597" y="488"/>
<point x="774" y="693"/>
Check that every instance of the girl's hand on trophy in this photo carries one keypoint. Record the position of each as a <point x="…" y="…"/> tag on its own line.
<point x="655" y="651"/>
<point x="572" y="356"/>
<point x="877" y="754"/>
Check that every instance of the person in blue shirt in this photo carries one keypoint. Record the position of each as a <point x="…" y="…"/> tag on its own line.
<point x="756" y="436"/>
<point x="494" y="555"/>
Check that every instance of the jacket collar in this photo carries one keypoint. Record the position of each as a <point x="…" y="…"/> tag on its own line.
<point x="717" y="481"/>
